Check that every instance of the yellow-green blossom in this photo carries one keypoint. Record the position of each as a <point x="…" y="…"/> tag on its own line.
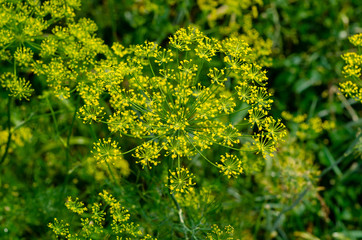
<point x="180" y="180"/>
<point x="75" y="205"/>
<point x="352" y="70"/>
<point x="230" y="165"/>
<point x="93" y="224"/>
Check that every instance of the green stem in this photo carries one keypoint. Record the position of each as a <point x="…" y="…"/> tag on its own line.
<point x="177" y="205"/>
<point x="112" y="9"/>
<point x="149" y="61"/>
<point x="112" y="175"/>
<point x="258" y="221"/>
<point x="55" y="122"/>
<point x="199" y="71"/>
<point x="224" y="114"/>
<point x="67" y="151"/>
<point x="179" y="211"/>
<point x="9" y="132"/>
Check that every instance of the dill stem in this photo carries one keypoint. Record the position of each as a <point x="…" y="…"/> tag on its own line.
<point x="112" y="174"/>
<point x="67" y="151"/>
<point x="9" y="132"/>
<point x="177" y="205"/>
<point x="179" y="211"/>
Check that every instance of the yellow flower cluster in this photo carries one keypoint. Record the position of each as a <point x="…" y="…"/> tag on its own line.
<point x="196" y="199"/>
<point x="106" y="151"/>
<point x="23" y="56"/>
<point x="19" y="88"/>
<point x="147" y="154"/>
<point x="75" y="206"/>
<point x="177" y="101"/>
<point x="231" y="16"/>
<point x="230" y="165"/>
<point x="59" y="228"/>
<point x="69" y="59"/>
<point x="94" y="224"/>
<point x="356" y="40"/>
<point x="180" y="180"/>
<point x="290" y="172"/>
<point x="23" y="25"/>
<point x="216" y="233"/>
<point x="175" y="98"/>
<point x="352" y="70"/>
<point x="308" y="128"/>
<point x="18" y="137"/>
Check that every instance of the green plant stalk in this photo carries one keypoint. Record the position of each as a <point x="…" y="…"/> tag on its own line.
<point x="111" y="8"/>
<point x="55" y="122"/>
<point x="67" y="151"/>
<point x="177" y="205"/>
<point x="9" y="132"/>
<point x="112" y="175"/>
<point x="258" y="222"/>
<point x="179" y="211"/>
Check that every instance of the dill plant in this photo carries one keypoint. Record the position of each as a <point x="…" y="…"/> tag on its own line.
<point x="45" y="39"/>
<point x="173" y="98"/>
<point x="42" y="38"/>
<point x="94" y="221"/>
<point x="23" y="27"/>
<point x="177" y="102"/>
<point x="107" y="218"/>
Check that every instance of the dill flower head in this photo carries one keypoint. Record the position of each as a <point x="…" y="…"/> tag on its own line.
<point x="180" y="180"/>
<point x="306" y="128"/>
<point x="352" y="70"/>
<point x="292" y="169"/>
<point x="106" y="150"/>
<point x="230" y="165"/>
<point x="34" y="38"/>
<point x="23" y="56"/>
<point x="356" y="40"/>
<point x="91" y="222"/>
<point x="264" y="145"/>
<point x="147" y="154"/>
<point x="177" y="103"/>
<point x="59" y="227"/>
<point x="18" y="88"/>
<point x="216" y="233"/>
<point x="75" y="205"/>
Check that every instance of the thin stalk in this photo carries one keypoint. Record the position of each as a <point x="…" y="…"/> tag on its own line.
<point x="55" y="121"/>
<point x="177" y="205"/>
<point x="223" y="114"/>
<point x="149" y="62"/>
<point x="124" y="153"/>
<point x="258" y="221"/>
<point x="112" y="174"/>
<point x="112" y="9"/>
<point x="179" y="211"/>
<point x="67" y="151"/>
<point x="9" y="132"/>
<point x="199" y="71"/>
<point x="200" y="152"/>
<point x="296" y="201"/>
